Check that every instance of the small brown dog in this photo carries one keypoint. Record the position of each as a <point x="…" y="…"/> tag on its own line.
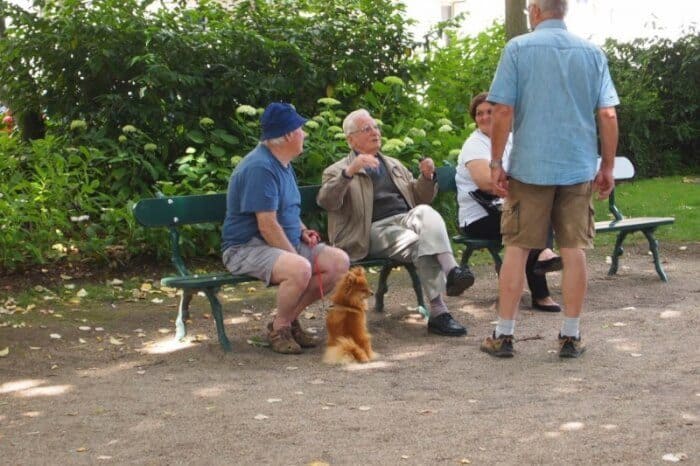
<point x="346" y="322"/>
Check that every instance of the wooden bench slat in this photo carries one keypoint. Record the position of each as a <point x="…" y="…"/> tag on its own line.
<point x="210" y="280"/>
<point x="632" y="224"/>
<point x="180" y="210"/>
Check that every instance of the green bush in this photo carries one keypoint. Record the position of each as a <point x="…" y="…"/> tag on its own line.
<point x="659" y="114"/>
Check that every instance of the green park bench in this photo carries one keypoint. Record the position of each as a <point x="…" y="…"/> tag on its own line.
<point x="173" y="212"/>
<point x="623" y="170"/>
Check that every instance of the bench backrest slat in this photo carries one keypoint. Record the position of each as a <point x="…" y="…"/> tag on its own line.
<point x="181" y="210"/>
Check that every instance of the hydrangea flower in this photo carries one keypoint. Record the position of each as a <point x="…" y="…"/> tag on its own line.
<point x="206" y="121"/>
<point x="246" y="110"/>
<point x="335" y="129"/>
<point x="445" y="129"/>
<point x="416" y="132"/>
<point x="330" y="101"/>
<point x="77" y="124"/>
<point x="121" y="138"/>
<point x="129" y="129"/>
<point x="393" y="81"/>
<point x="444" y="121"/>
<point x="150" y="147"/>
<point x="312" y="124"/>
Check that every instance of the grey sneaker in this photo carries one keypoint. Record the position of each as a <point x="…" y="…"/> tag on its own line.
<point x="501" y="347"/>
<point x="570" y="347"/>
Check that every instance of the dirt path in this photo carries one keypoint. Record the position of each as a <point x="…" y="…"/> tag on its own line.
<point x="126" y="395"/>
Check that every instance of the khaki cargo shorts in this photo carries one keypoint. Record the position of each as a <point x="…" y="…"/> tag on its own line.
<point x="529" y="209"/>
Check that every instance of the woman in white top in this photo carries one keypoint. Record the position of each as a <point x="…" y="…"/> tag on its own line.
<point x="483" y="220"/>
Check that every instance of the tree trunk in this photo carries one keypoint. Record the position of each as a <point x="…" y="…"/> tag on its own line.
<point x="516" y="21"/>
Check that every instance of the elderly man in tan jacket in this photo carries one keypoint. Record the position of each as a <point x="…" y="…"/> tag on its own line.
<point x="376" y="208"/>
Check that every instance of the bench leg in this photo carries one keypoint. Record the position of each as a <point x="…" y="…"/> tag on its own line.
<point x="617" y="252"/>
<point x="654" y="248"/>
<point x="382" y="288"/>
<point x="183" y="314"/>
<point x="218" y="318"/>
<point x="466" y="255"/>
<point x="416" y="284"/>
<point x="497" y="262"/>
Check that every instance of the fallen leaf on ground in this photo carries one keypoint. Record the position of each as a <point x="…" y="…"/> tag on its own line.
<point x="82" y="293"/>
<point x="4" y="352"/>
<point x="84" y="328"/>
<point x="364" y="408"/>
<point x="274" y="400"/>
<point x="69" y="286"/>
<point x="55" y="336"/>
<point x="66" y="277"/>
<point x="156" y="301"/>
<point x="35" y="347"/>
<point x="163" y="330"/>
<point x="257" y="341"/>
<point x="619" y="324"/>
<point x="81" y="450"/>
<point x="674" y="457"/>
<point x="260" y="417"/>
<point x="115" y="341"/>
<point x="636" y="355"/>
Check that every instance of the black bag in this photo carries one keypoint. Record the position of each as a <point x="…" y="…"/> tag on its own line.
<point x="490" y="202"/>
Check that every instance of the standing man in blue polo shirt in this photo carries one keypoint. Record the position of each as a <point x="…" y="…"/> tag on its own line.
<point x="263" y="235"/>
<point x="550" y="87"/>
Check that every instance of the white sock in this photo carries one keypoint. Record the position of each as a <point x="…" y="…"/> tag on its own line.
<point x="447" y="261"/>
<point x="505" y="327"/>
<point x="570" y="327"/>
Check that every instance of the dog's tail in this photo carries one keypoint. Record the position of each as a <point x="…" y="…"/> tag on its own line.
<point x="345" y="352"/>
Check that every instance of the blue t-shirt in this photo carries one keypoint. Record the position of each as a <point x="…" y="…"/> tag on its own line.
<point x="260" y="183"/>
<point x="555" y="81"/>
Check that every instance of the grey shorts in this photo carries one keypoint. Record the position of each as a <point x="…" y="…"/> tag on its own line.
<point x="256" y="258"/>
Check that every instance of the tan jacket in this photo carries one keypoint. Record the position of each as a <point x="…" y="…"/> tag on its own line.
<point x="350" y="202"/>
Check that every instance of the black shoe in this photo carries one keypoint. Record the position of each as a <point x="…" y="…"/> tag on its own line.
<point x="444" y="324"/>
<point x="545" y="307"/>
<point x="570" y="347"/>
<point x="458" y="280"/>
<point x="501" y="347"/>
<point x="550" y="265"/>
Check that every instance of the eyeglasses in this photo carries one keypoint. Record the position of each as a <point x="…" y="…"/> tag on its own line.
<point x="366" y="129"/>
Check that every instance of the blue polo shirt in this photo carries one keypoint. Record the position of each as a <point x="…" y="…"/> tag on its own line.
<point x="556" y="82"/>
<point x="260" y="183"/>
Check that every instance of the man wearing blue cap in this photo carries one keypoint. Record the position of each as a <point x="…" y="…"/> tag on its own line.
<point x="263" y="234"/>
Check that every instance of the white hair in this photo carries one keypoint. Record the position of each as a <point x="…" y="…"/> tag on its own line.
<point x="350" y="121"/>
<point x="557" y="7"/>
<point x="276" y="141"/>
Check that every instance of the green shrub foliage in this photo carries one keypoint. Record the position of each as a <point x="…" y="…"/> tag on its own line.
<point x="137" y="99"/>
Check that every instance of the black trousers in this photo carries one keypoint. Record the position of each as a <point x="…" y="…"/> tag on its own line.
<point x="489" y="227"/>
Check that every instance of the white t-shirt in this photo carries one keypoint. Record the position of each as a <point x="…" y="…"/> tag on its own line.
<point x="476" y="147"/>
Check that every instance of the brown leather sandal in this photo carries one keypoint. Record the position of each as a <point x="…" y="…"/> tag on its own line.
<point x="282" y="341"/>
<point x="305" y="339"/>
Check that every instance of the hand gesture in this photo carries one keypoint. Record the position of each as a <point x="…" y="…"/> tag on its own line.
<point x="427" y="167"/>
<point x="362" y="161"/>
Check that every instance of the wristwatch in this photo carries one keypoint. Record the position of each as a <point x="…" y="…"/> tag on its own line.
<point x="496" y="163"/>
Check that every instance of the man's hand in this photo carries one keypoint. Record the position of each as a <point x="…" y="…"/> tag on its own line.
<point x="310" y="237"/>
<point x="427" y="168"/>
<point x="360" y="162"/>
<point x="499" y="181"/>
<point x="604" y="182"/>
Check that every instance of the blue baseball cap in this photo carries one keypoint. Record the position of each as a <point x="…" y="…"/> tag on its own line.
<point x="279" y="119"/>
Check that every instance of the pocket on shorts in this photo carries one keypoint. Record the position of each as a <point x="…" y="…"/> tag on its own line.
<point x="591" y="221"/>
<point x="510" y="219"/>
